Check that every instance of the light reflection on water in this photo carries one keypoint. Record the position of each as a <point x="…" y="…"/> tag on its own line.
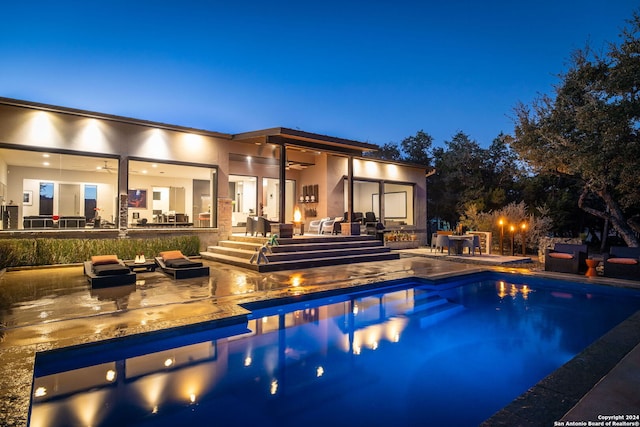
<point x="414" y="356"/>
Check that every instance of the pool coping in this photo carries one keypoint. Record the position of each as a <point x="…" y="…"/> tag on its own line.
<point x="548" y="401"/>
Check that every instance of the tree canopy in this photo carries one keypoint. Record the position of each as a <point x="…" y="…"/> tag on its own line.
<point x="589" y="130"/>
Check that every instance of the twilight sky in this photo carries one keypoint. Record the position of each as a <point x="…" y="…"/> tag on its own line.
<point x="374" y="71"/>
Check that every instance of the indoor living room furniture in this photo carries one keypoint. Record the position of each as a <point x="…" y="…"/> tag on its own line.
<point x="38" y="221"/>
<point x="72" y="222"/>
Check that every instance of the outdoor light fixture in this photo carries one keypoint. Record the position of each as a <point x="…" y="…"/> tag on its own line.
<point x="523" y="227"/>
<point x="501" y="222"/>
<point x="513" y="235"/>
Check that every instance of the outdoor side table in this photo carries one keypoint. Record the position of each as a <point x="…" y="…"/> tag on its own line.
<point x="141" y="266"/>
<point x="592" y="264"/>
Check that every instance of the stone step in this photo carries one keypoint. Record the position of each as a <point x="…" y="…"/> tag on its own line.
<point x="289" y="253"/>
<point x="300" y="252"/>
<point x="301" y="263"/>
<point x="307" y="238"/>
<point x="302" y="245"/>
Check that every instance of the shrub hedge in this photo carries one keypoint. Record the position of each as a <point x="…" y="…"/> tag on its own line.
<point x="27" y="252"/>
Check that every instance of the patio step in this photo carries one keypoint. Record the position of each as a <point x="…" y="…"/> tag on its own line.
<point x="297" y="245"/>
<point x="300" y="252"/>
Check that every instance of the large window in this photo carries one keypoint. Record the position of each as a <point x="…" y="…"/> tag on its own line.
<point x="391" y="203"/>
<point x="75" y="191"/>
<point x="165" y="194"/>
<point x="42" y="185"/>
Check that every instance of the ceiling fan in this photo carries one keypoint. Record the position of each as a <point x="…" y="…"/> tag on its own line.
<point x="296" y="165"/>
<point x="106" y="167"/>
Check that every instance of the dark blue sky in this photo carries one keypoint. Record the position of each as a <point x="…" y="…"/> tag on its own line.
<point x="375" y="71"/>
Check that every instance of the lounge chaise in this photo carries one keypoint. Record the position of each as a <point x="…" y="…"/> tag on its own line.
<point x="178" y="266"/>
<point x="108" y="270"/>
<point x="622" y="263"/>
<point x="566" y="258"/>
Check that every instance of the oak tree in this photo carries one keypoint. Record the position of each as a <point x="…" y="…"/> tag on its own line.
<point x="589" y="130"/>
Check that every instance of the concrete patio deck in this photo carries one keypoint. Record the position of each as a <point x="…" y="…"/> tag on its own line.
<point x="48" y="308"/>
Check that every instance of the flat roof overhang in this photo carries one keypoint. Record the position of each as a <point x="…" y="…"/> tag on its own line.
<point x="298" y="138"/>
<point x="109" y="117"/>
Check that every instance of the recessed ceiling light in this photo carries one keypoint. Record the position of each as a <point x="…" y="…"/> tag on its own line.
<point x="45" y="163"/>
<point x="46" y="156"/>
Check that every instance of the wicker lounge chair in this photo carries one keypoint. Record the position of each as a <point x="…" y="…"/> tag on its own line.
<point x="566" y="258"/>
<point x="622" y="263"/>
<point x="108" y="270"/>
<point x="327" y="226"/>
<point x="315" y="226"/>
<point x="178" y="266"/>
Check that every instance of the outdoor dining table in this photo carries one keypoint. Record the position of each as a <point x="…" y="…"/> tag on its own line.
<point x="458" y="241"/>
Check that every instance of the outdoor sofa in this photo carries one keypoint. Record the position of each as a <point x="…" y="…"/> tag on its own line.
<point x="566" y="258"/>
<point x="622" y="263"/>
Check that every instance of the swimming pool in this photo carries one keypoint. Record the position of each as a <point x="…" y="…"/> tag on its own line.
<point x="405" y="353"/>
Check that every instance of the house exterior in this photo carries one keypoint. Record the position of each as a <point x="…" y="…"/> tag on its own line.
<point x="67" y="172"/>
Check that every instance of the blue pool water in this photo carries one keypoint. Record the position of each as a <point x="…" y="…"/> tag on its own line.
<point x="412" y="353"/>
